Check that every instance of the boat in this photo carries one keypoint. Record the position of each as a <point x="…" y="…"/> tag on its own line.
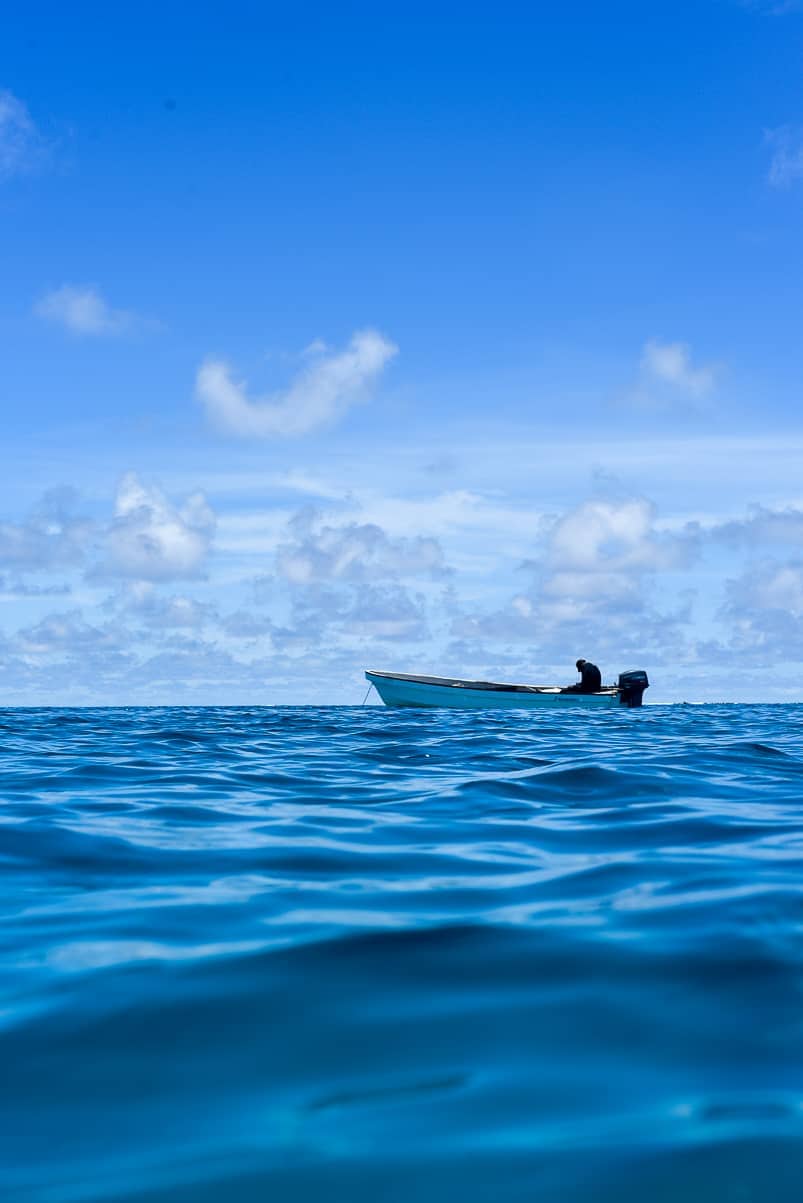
<point x="409" y="689"/>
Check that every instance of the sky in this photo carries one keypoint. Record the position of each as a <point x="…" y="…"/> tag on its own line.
<point x="440" y="338"/>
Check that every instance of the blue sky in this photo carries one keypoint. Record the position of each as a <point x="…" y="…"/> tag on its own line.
<point x="433" y="338"/>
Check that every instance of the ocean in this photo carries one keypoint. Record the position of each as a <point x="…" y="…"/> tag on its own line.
<point x="358" y="954"/>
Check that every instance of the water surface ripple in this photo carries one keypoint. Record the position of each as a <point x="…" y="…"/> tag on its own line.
<point x="358" y="954"/>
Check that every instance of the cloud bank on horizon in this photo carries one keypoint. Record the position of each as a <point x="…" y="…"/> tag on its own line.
<point x="547" y="420"/>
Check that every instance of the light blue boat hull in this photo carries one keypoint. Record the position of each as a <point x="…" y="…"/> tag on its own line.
<point x="404" y="690"/>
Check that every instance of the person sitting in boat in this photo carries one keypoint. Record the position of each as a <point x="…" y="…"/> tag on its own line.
<point x="590" y="678"/>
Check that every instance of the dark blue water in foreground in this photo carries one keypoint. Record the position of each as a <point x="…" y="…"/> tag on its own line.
<point x="366" y="955"/>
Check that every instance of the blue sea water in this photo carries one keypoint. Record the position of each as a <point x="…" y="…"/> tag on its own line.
<point x="373" y="955"/>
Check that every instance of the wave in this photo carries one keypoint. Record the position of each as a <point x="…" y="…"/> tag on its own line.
<point x="288" y="953"/>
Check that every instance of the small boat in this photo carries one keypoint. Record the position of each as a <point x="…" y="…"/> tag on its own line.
<point x="407" y="689"/>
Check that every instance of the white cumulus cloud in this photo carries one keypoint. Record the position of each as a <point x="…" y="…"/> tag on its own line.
<point x="774" y="587"/>
<point x="762" y="526"/>
<point x="353" y="552"/>
<point x="670" y="366"/>
<point x="593" y="584"/>
<point x="82" y="309"/>
<point x="141" y="599"/>
<point x="69" y="634"/>
<point x="321" y="393"/>
<point x="763" y="611"/>
<point x="606" y="536"/>
<point x="150" y="539"/>
<point x="53" y="535"/>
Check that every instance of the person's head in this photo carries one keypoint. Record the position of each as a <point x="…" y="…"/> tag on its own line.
<point x="580" y="664"/>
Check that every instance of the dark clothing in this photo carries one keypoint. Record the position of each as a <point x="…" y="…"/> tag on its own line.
<point x="591" y="679"/>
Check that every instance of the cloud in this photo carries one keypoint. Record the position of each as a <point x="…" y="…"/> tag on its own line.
<point x="385" y="612"/>
<point x="52" y="536"/>
<point x="299" y="481"/>
<point x="353" y="552"/>
<point x="69" y="634"/>
<point x="668" y="376"/>
<point x="763" y="611"/>
<point x="771" y="586"/>
<point x="786" y="165"/>
<point x="141" y="600"/>
<point x="762" y="526"/>
<point x="150" y="539"/>
<point x="244" y="625"/>
<point x="344" y="583"/>
<point x="319" y="395"/>
<point x="613" y="536"/>
<point x="476" y="518"/>
<point x="591" y="588"/>
<point x="15" y="588"/>
<point x="82" y="310"/>
<point x="333" y="618"/>
<point x="21" y="144"/>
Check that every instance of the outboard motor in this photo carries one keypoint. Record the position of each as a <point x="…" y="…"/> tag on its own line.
<point x="632" y="686"/>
